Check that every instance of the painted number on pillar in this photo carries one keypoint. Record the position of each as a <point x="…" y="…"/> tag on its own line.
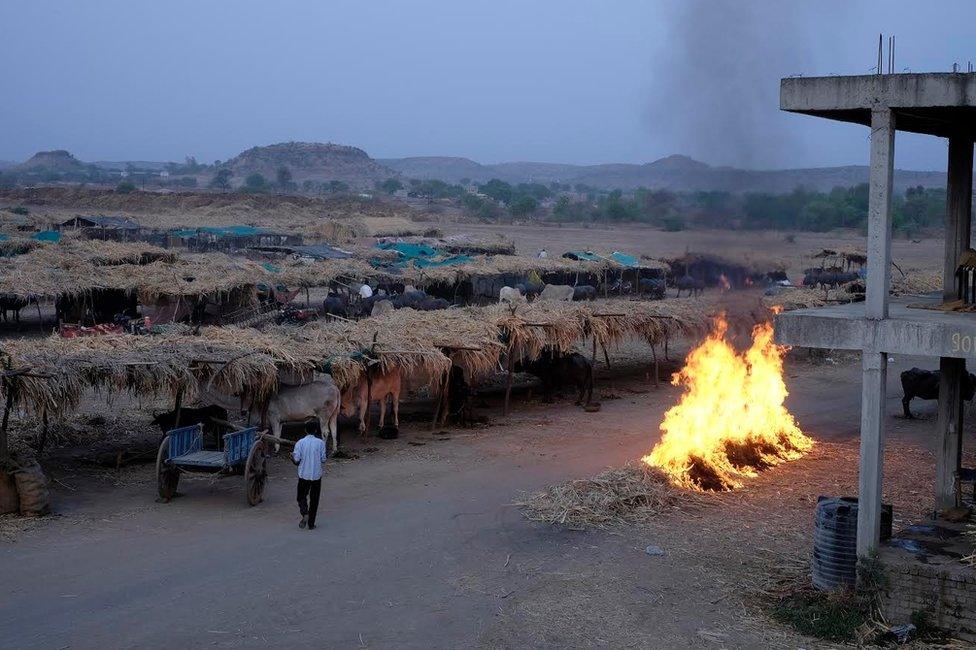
<point x="962" y="343"/>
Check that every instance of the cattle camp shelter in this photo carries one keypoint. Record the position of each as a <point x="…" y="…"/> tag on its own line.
<point x="941" y="325"/>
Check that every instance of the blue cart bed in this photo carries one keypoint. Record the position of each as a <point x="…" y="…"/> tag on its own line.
<point x="182" y="450"/>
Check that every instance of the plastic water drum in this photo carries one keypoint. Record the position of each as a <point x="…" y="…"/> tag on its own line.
<point x="835" y="543"/>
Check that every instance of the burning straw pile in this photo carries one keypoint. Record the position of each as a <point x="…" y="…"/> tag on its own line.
<point x="632" y="494"/>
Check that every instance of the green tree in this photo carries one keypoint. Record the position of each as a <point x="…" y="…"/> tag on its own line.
<point x="498" y="190"/>
<point x="391" y="185"/>
<point x="522" y="206"/>
<point x="125" y="187"/>
<point x="221" y="180"/>
<point x="283" y="178"/>
<point x="255" y="183"/>
<point x="336" y="187"/>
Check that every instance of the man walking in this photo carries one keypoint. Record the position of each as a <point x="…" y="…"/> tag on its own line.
<point x="309" y="455"/>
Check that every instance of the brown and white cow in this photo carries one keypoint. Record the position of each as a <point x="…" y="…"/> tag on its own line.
<point x="375" y="387"/>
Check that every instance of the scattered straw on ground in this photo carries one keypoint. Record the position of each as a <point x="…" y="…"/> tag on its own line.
<point x="631" y="494"/>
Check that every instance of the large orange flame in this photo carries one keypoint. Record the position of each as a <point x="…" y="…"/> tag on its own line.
<point x="730" y="422"/>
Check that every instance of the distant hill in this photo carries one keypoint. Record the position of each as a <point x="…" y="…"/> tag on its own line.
<point x="58" y="160"/>
<point x="678" y="173"/>
<point x="119" y="165"/>
<point x="310" y="161"/>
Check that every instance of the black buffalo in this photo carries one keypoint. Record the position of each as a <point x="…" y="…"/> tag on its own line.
<point x="336" y="306"/>
<point x="652" y="287"/>
<point x="554" y="368"/>
<point x="530" y="289"/>
<point x="693" y="286"/>
<point x="10" y="302"/>
<point x="584" y="292"/>
<point x="924" y="384"/>
<point x="189" y="416"/>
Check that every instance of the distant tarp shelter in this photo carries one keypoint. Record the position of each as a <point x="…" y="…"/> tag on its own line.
<point x="214" y="238"/>
<point x="312" y="252"/>
<point x="112" y="228"/>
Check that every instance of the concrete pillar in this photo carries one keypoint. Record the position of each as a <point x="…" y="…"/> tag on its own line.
<point x="874" y="367"/>
<point x="949" y="424"/>
<point x="879" y="212"/>
<point x="874" y="362"/>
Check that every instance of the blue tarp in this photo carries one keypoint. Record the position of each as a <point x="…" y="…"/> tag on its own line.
<point x="4" y="237"/>
<point x="47" y="235"/>
<point x="454" y="260"/>
<point x="625" y="259"/>
<point x="411" y="251"/>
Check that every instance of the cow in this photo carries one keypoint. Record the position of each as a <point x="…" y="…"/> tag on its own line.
<point x="693" y="286"/>
<point x="11" y="302"/>
<point x="584" y="292"/>
<point x="381" y="307"/>
<point x="924" y="384"/>
<point x="553" y="368"/>
<point x="374" y="386"/>
<point x="318" y="399"/>
<point x="559" y="292"/>
<point x="188" y="416"/>
<point x="510" y="295"/>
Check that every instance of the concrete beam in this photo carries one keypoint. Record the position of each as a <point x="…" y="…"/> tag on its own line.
<point x="932" y="103"/>
<point x="908" y="331"/>
<point x="879" y="212"/>
<point x="873" y="393"/>
<point x="913" y="90"/>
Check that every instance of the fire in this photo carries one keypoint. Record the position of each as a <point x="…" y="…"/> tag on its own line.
<point x="730" y="423"/>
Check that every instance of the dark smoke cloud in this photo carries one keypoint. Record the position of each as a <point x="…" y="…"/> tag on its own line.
<point x="716" y="86"/>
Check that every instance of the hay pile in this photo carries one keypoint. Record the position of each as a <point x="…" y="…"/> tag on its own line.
<point x="633" y="494"/>
<point x="915" y="281"/>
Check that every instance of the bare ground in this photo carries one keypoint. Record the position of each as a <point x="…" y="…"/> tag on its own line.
<point x="419" y="545"/>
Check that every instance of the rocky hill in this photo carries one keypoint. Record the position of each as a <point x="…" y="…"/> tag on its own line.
<point x="678" y="173"/>
<point x="58" y="160"/>
<point x="310" y="161"/>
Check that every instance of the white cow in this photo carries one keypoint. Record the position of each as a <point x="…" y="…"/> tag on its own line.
<point x="559" y="292"/>
<point x="511" y="295"/>
<point x="318" y="399"/>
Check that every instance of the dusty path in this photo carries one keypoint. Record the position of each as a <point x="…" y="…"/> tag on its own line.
<point x="419" y="546"/>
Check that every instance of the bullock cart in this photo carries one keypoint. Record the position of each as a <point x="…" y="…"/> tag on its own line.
<point x="245" y="452"/>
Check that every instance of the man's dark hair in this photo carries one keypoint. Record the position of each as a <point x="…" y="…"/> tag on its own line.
<point x="312" y="427"/>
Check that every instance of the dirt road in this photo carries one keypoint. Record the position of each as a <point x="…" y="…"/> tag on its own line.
<point x="419" y="545"/>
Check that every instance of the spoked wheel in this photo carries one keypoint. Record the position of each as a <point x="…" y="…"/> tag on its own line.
<point x="167" y="478"/>
<point x="256" y="472"/>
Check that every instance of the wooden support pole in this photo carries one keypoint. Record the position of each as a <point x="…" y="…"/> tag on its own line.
<point x="657" y="374"/>
<point x="4" y="447"/>
<point x="42" y="441"/>
<point x="178" y="407"/>
<point x="439" y="403"/>
<point x="508" y="382"/>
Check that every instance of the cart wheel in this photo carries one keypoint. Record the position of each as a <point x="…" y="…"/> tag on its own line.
<point x="256" y="472"/>
<point x="167" y="478"/>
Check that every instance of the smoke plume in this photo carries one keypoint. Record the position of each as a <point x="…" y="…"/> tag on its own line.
<point x="716" y="85"/>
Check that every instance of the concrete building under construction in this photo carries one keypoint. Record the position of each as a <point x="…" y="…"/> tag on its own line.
<point x="943" y="326"/>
